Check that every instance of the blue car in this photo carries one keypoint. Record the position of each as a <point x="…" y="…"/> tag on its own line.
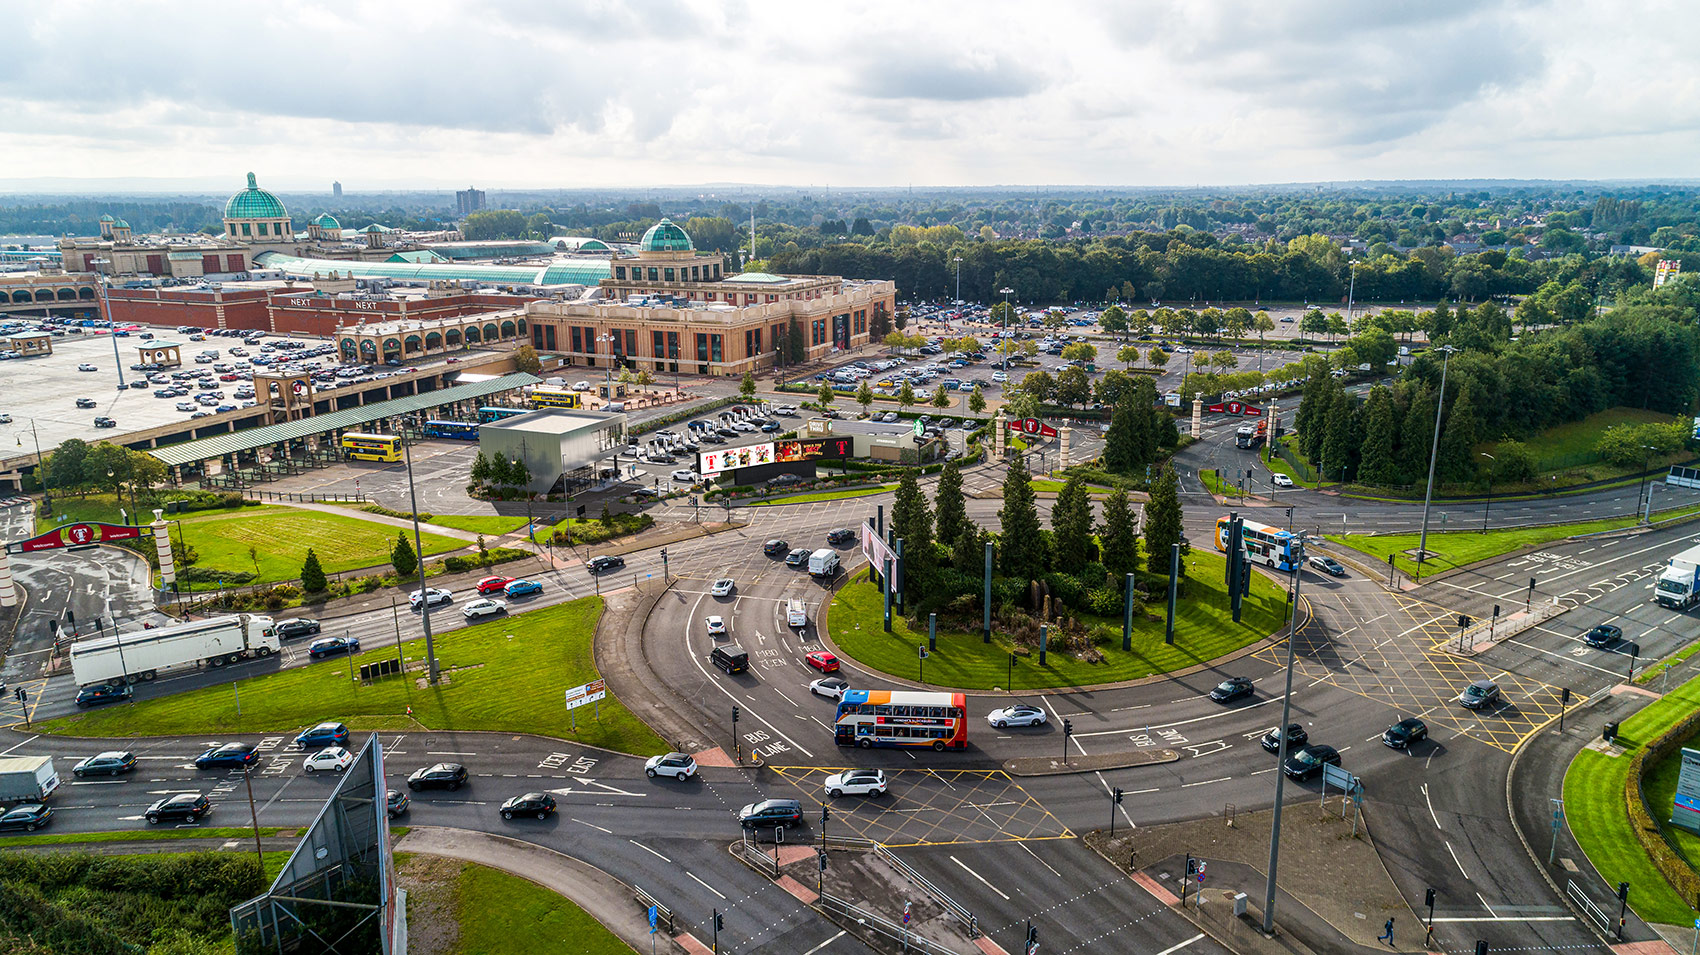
<point x="102" y="693"/>
<point x="230" y="754"/>
<point x="522" y="588"/>
<point x="325" y="734"/>
<point x="333" y="645"/>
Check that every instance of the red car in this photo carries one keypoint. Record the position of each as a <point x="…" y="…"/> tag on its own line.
<point x="822" y="661"/>
<point x="493" y="585"/>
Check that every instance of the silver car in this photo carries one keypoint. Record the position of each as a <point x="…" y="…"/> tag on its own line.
<point x="1021" y="714"/>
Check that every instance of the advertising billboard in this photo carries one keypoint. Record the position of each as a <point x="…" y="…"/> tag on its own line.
<point x="812" y="448"/>
<point x="1686" y="811"/>
<point x="875" y="549"/>
<point x="710" y="463"/>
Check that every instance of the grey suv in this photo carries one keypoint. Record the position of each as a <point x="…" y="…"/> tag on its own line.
<point x="771" y="813"/>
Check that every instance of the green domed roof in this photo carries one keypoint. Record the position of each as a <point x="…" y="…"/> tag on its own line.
<point x="664" y="236"/>
<point x="254" y="203"/>
<point x="106" y="218"/>
<point x="327" y="221"/>
<point x="120" y="224"/>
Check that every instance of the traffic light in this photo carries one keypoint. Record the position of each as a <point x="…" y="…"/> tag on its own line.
<point x="734" y="712"/>
<point x="1118" y="797"/>
<point x="1623" y="891"/>
<point x="719" y="922"/>
<point x="1068" y="727"/>
<point x="1428" y="898"/>
<point x="1481" y="947"/>
<point x="825" y="814"/>
<point x="663" y="553"/>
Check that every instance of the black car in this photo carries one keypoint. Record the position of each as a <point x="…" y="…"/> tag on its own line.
<point x="103" y="693"/>
<point x="298" y="627"/>
<point x="1231" y="689"/>
<point x="1327" y="565"/>
<point x="448" y="776"/>
<point x="541" y="805"/>
<point x="103" y="421"/>
<point x="333" y="645"/>
<point x="785" y="480"/>
<point x="85" y="402"/>
<point x="189" y="807"/>
<point x="396" y="802"/>
<point x="771" y="813"/>
<point x="842" y="535"/>
<point x="108" y="764"/>
<point x="28" y="817"/>
<point x="1603" y="635"/>
<point x="1296" y="737"/>
<point x="1309" y="760"/>
<point x="605" y="563"/>
<point x="1405" y="732"/>
<point x="797" y="558"/>
<point x="230" y="754"/>
<point x="775" y="547"/>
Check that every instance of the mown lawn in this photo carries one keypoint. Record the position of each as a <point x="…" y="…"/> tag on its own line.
<point x="502" y="914"/>
<point x="1594" y="805"/>
<point x="504" y="675"/>
<point x="490" y="525"/>
<point x="824" y="496"/>
<point x="1204" y="630"/>
<point x="280" y="537"/>
<point x="136" y="835"/>
<point x="1455" y="549"/>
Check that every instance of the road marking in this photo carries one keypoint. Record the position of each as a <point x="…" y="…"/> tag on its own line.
<point x="824" y="944"/>
<point x="1561" y="656"/>
<point x="1175" y="948"/>
<point x="1431" y="814"/>
<point x="1206" y="782"/>
<point x="1039" y="860"/>
<point x="1196" y="719"/>
<point x="1485" y="904"/>
<point x="665" y="859"/>
<point x="1509" y="918"/>
<point x="593" y="826"/>
<point x="25" y="742"/>
<point x="707" y="886"/>
<point x="434" y="752"/>
<point x="980" y="877"/>
<point x="1455" y="861"/>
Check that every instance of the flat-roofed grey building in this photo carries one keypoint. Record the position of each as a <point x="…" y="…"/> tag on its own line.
<point x="561" y="448"/>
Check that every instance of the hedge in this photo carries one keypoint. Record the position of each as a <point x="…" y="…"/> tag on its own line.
<point x="1648" y="831"/>
<point x="685" y="414"/>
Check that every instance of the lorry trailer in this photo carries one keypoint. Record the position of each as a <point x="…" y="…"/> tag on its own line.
<point x="141" y="654"/>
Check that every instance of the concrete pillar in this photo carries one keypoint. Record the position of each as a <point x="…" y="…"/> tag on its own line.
<point x="8" y="592"/>
<point x="1067" y="448"/>
<point x="999" y="435"/>
<point x="162" y="545"/>
<point x="1198" y="417"/>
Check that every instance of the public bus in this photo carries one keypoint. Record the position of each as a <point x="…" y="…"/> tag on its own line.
<point x="371" y="447"/>
<point x="1264" y="544"/>
<point x="555" y="398"/>
<point x="904" y="718"/>
<point x="487" y="415"/>
<point x="461" y="430"/>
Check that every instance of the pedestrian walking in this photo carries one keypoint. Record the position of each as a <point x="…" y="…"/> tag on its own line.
<point x="1386" y="934"/>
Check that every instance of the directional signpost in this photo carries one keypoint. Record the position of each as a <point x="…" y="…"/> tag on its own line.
<point x="592" y="692"/>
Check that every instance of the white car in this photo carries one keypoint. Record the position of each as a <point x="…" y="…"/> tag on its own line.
<point x="334" y="758"/>
<point x="742" y="426"/>
<point x="676" y="765"/>
<point x="432" y="597"/>
<point x="483" y="607"/>
<point x="856" y="782"/>
<point x="723" y="587"/>
<point x="1021" y="714"/>
<point x="1280" y="480"/>
<point x="85" y="366"/>
<point x="999" y="376"/>
<point x="716" y="626"/>
<point x="685" y="476"/>
<point x="831" y="687"/>
<point x="581" y="386"/>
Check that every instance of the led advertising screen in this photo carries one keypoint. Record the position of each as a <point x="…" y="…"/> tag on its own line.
<point x="710" y="463"/>
<point x="811" y="449"/>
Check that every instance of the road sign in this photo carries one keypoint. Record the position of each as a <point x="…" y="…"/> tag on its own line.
<point x="590" y="692"/>
<point x="923" y="652"/>
<point x="1340" y="779"/>
<point x="652" y="919"/>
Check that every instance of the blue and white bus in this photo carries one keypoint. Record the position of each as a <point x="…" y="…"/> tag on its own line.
<point x="1264" y="544"/>
<point x="497" y="414"/>
<point x="459" y="430"/>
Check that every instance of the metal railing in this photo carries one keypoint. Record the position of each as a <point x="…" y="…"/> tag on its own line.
<point x="864" y="919"/>
<point x="308" y="497"/>
<point x="955" y="908"/>
<point x="755" y="858"/>
<point x="1587" y="905"/>
<point x="663" y="914"/>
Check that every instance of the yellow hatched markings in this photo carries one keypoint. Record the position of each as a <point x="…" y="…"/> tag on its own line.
<point x="933" y="807"/>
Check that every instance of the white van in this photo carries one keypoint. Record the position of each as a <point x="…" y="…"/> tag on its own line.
<point x="796" y="611"/>
<point x="823" y="563"/>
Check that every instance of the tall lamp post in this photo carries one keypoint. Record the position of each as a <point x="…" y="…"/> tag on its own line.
<point x="1005" y="292"/>
<point x="1487" y="502"/>
<point x="958" y="261"/>
<point x="106" y="315"/>
<point x="1281" y="755"/>
<point x="419" y="550"/>
<point x="1434" y="449"/>
<point x="1647" y="509"/>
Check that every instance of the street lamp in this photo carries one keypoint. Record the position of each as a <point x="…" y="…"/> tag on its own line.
<point x="419" y="550"/>
<point x="1434" y="449"/>
<point x="106" y="314"/>
<point x="1005" y="292"/>
<point x="958" y="261"/>
<point x="1487" y="502"/>
<point x="1645" y="459"/>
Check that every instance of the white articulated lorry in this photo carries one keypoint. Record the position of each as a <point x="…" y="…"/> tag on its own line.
<point x="141" y="654"/>
<point x="1678" y="586"/>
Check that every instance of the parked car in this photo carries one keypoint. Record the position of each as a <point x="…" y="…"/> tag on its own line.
<point x="522" y="588"/>
<point x="29" y="817"/>
<point x="822" y="660"/>
<point x="676" y="765"/>
<point x="112" y="763"/>
<point x="103" y="693"/>
<point x="330" y="646"/>
<point x="842" y="535"/>
<point x="723" y="587"/>
<point x="450" y="776"/>
<point x="493" y="585"/>
<point x="482" y="607"/>
<point x="1327" y="565"/>
<point x="431" y="596"/>
<point x="856" y="782"/>
<point x="1309" y="760"/>
<point x="186" y="807"/>
<point x="1296" y="737"/>
<point x="831" y="687"/>
<point x="1479" y="694"/>
<point x="325" y="734"/>
<point x="541" y="805"/>
<point x="771" y="813"/>
<point x="1405" y="732"/>
<point x="230" y="754"/>
<point x="798" y="557"/>
<point x="605" y="563"/>
<point x="1231" y="689"/>
<point x="334" y="758"/>
<point x="1021" y="714"/>
<point x="295" y="627"/>
<point x="775" y="547"/>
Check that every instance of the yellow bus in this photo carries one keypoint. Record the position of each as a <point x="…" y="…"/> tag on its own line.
<point x="371" y="447"/>
<point x="556" y="398"/>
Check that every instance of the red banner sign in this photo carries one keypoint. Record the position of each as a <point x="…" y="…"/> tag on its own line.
<point x="1032" y="426"/>
<point x="1236" y="407"/>
<point x="74" y="536"/>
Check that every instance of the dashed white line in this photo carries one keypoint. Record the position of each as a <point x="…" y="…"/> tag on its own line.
<point x="593" y="826"/>
<point x="982" y="878"/>
<point x="649" y="850"/>
<point x="1175" y="948"/>
<point x="1455" y="861"/>
<point x="705" y="885"/>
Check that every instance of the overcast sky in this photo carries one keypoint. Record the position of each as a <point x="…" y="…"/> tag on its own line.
<point x="565" y="93"/>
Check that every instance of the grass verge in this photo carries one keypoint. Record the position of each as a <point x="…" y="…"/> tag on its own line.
<point x="505" y="675"/>
<point x="1204" y="630"/>
<point x="824" y="496"/>
<point x="1593" y="801"/>
<point x="490" y="525"/>
<point x="502" y="914"/>
<point x="280" y="536"/>
<point x="139" y="835"/>
<point x="1455" y="549"/>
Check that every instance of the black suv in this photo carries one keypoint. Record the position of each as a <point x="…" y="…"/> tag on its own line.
<point x="541" y="805"/>
<point x="1405" y="732"/>
<point x="448" y="776"/>
<point x="775" y="547"/>
<point x="1309" y="760"/>
<point x="1603" y="635"/>
<point x="604" y="563"/>
<point x="186" y="806"/>
<point x="842" y="535"/>
<point x="771" y="813"/>
<point x="1296" y="737"/>
<point x="298" y="627"/>
<point x="102" y="693"/>
<point x="28" y="817"/>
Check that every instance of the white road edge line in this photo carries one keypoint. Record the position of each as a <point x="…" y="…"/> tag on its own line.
<point x="824" y="944"/>
<point x="659" y="855"/>
<point x="980" y="877"/>
<point x="705" y="885"/>
<point x="1175" y="948"/>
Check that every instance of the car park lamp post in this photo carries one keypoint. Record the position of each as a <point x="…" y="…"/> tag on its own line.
<point x="1005" y="292"/>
